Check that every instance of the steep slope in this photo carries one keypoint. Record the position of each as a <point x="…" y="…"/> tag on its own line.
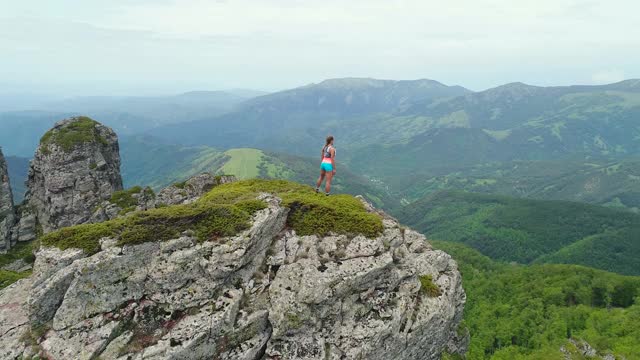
<point x="286" y="120"/>
<point x="149" y="162"/>
<point x="609" y="182"/>
<point x="7" y="211"/>
<point x="18" y="172"/>
<point x="253" y="270"/>
<point x="546" y="311"/>
<point x="525" y="231"/>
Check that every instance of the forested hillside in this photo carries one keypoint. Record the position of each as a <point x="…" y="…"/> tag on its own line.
<point x="531" y="312"/>
<point x="527" y="231"/>
<point x="610" y="182"/>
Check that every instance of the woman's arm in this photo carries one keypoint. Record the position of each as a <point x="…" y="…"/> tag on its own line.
<point x="333" y="159"/>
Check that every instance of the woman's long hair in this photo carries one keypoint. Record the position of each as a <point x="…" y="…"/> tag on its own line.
<point x="329" y="140"/>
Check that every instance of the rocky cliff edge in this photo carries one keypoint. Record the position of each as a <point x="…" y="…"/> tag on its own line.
<point x="252" y="270"/>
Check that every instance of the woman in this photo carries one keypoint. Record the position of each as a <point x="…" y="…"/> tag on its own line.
<point x="327" y="166"/>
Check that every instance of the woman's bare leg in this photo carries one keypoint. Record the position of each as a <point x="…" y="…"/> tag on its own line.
<point x="328" y="183"/>
<point x="322" y="173"/>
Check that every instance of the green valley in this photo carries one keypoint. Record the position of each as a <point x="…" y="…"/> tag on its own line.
<point x="610" y="182"/>
<point x="531" y="231"/>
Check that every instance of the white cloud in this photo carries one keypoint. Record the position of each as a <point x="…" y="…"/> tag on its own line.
<point x="283" y="43"/>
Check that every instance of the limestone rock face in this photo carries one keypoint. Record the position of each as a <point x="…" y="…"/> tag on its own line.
<point x="75" y="168"/>
<point x="14" y="320"/>
<point x="7" y="211"/>
<point x="265" y="293"/>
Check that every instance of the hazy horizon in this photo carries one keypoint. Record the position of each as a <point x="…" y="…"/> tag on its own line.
<point x="142" y="47"/>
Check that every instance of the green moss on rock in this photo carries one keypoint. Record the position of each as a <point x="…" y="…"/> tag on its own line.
<point x="225" y="211"/>
<point x="428" y="286"/>
<point x="180" y="185"/>
<point x="81" y="130"/>
<point x="124" y="198"/>
<point x="310" y="213"/>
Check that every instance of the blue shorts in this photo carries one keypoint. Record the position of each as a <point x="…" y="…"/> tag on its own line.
<point x="326" y="167"/>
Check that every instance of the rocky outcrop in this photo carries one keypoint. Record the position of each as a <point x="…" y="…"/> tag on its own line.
<point x="123" y="202"/>
<point x="140" y="199"/>
<point x="14" y="321"/>
<point x="265" y="293"/>
<point x="75" y="168"/>
<point x="190" y="190"/>
<point x="7" y="210"/>
<point x="580" y="349"/>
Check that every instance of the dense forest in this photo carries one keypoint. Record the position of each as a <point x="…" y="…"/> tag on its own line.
<point x="531" y="312"/>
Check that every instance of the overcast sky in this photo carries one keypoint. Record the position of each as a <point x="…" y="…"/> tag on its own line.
<point x="165" y="46"/>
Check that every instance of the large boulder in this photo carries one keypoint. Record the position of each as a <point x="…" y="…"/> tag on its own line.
<point x="75" y="168"/>
<point x="7" y="210"/>
<point x="265" y="293"/>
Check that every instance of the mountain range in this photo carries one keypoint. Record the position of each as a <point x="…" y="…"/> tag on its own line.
<point x="534" y="190"/>
<point x="20" y="130"/>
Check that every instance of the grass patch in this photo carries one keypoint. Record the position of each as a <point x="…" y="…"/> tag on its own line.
<point x="180" y="185"/>
<point x="22" y="250"/>
<point x="124" y="198"/>
<point x="81" y="130"/>
<point x="243" y="163"/>
<point x="208" y="221"/>
<point x="9" y="277"/>
<point x="225" y="211"/>
<point x="428" y="286"/>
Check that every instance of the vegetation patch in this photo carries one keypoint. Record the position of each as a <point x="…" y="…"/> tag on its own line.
<point x="82" y="130"/>
<point x="293" y="320"/>
<point x="530" y="312"/>
<point x="225" y="211"/>
<point x="310" y="213"/>
<point x="208" y="221"/>
<point x="180" y="185"/>
<point x="243" y="163"/>
<point x="22" y="250"/>
<point x="9" y="277"/>
<point x="531" y="231"/>
<point x="124" y="198"/>
<point x="428" y="286"/>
